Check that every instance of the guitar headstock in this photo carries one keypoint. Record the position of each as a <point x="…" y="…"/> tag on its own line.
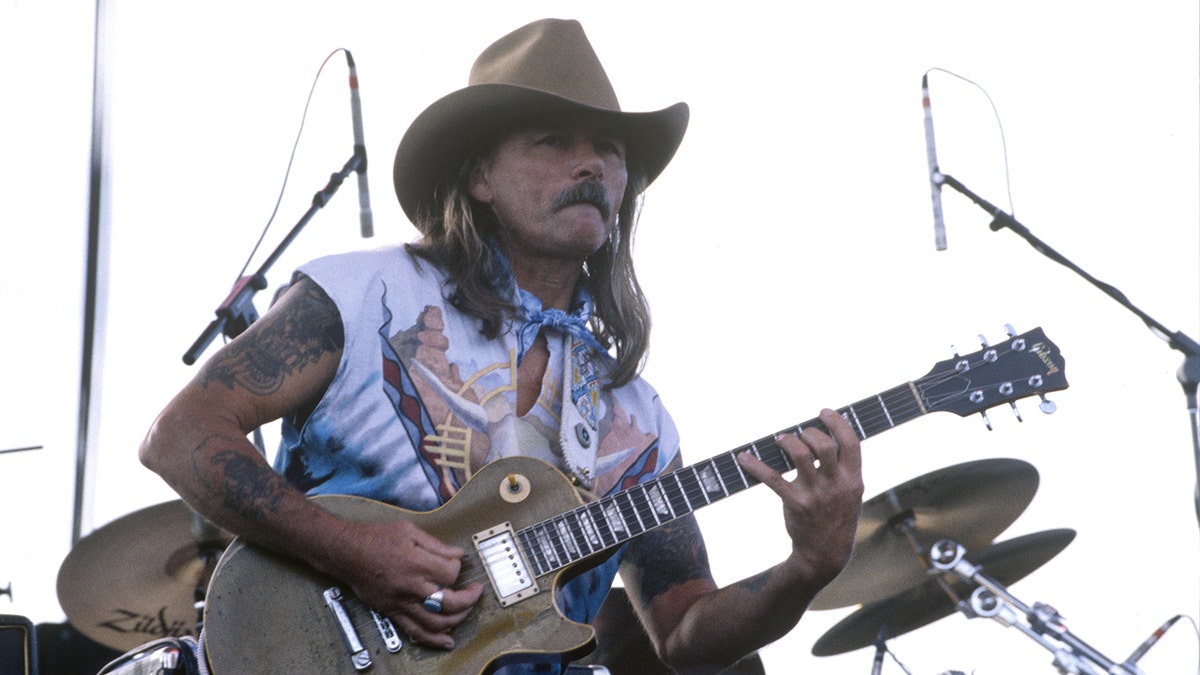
<point x="1024" y="365"/>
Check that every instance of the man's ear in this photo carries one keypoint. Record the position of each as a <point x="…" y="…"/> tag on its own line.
<point x="478" y="185"/>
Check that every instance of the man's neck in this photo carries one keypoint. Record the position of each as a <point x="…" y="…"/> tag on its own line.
<point x="553" y="282"/>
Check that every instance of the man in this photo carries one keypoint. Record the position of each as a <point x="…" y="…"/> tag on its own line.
<point x="398" y="373"/>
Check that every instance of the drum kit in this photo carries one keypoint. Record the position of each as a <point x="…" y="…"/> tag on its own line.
<point x="924" y="550"/>
<point x="137" y="585"/>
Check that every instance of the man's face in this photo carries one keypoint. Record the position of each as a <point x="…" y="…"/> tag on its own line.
<point x="556" y="185"/>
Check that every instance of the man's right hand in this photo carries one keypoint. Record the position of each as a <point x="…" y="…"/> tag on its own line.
<point x="394" y="566"/>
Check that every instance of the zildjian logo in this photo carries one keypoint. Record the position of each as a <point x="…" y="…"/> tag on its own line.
<point x="126" y="621"/>
<point x="1043" y="353"/>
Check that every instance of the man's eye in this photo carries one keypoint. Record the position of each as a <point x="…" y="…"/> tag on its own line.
<point x="552" y="140"/>
<point x="614" y="148"/>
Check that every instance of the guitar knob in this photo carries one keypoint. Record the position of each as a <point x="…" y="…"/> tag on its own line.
<point x="1012" y="332"/>
<point x="1047" y="406"/>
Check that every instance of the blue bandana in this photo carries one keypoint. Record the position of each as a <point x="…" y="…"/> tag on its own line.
<point x="573" y="323"/>
<point x="578" y="429"/>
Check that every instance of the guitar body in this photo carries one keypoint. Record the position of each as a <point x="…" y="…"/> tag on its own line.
<point x="266" y="613"/>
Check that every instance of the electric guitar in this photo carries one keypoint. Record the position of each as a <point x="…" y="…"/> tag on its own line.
<point x="527" y="532"/>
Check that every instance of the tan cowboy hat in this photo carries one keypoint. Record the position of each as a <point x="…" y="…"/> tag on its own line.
<point x="546" y="66"/>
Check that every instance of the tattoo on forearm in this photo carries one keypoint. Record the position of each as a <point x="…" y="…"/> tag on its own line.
<point x="668" y="556"/>
<point x="287" y="342"/>
<point x="249" y="488"/>
<point x="758" y="581"/>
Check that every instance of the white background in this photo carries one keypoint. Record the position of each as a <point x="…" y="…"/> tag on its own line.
<point x="788" y="251"/>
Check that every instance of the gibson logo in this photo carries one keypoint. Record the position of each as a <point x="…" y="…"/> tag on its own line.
<point x="144" y="624"/>
<point x="1043" y="353"/>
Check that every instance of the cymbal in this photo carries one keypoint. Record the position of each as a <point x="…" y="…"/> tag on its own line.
<point x="970" y="503"/>
<point x="139" y="577"/>
<point x="1005" y="562"/>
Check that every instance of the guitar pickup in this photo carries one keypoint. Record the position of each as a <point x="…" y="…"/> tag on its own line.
<point x="505" y="563"/>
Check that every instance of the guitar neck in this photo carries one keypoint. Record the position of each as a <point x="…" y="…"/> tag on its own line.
<point x="611" y="521"/>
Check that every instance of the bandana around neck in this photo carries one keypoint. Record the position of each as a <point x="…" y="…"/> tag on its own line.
<point x="573" y="323"/>
<point x="578" y="425"/>
<point x="534" y="317"/>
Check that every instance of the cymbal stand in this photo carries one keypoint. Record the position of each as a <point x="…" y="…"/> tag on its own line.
<point x="1041" y="622"/>
<point x="881" y="650"/>
<point x="903" y="524"/>
<point x="209" y="546"/>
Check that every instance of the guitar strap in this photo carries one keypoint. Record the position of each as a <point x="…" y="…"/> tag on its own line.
<point x="578" y="430"/>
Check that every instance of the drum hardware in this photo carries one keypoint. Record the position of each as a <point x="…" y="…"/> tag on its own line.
<point x="141" y="577"/>
<point x="168" y="656"/>
<point x="971" y="502"/>
<point x="938" y="597"/>
<point x="892" y="571"/>
<point x="1041" y="622"/>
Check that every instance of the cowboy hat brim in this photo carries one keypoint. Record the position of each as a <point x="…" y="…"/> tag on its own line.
<point x="453" y="126"/>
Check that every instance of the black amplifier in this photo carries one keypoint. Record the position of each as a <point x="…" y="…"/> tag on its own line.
<point x="18" y="646"/>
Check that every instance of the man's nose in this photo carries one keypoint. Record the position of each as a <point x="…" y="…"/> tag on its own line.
<point x="588" y="162"/>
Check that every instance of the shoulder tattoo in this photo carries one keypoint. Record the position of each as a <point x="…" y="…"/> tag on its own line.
<point x="307" y="326"/>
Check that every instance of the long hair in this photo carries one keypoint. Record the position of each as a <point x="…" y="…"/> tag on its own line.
<point x="460" y="235"/>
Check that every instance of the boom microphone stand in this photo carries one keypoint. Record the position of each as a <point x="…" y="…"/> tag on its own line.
<point x="236" y="312"/>
<point x="1188" y="374"/>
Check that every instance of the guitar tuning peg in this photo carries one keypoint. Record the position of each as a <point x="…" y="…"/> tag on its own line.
<point x="1047" y="406"/>
<point x="986" y="420"/>
<point x="983" y="341"/>
<point x="1016" y="411"/>
<point x="1012" y="332"/>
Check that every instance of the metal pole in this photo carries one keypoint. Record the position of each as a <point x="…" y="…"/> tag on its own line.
<point x="95" y="298"/>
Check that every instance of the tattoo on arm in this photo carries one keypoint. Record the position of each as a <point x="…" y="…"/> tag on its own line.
<point x="668" y="556"/>
<point x="249" y="488"/>
<point x="758" y="581"/>
<point x="308" y="326"/>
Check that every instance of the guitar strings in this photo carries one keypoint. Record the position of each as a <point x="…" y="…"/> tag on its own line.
<point x="873" y="417"/>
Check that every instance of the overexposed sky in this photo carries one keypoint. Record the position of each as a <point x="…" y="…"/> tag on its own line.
<point x="788" y="251"/>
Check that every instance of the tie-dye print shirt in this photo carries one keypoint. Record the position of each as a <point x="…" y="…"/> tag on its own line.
<point x="421" y="401"/>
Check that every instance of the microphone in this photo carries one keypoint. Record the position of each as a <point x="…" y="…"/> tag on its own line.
<point x="935" y="176"/>
<point x="366" y="223"/>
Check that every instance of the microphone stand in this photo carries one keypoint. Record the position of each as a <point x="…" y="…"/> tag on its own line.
<point x="24" y="449"/>
<point x="236" y="312"/>
<point x="1188" y="373"/>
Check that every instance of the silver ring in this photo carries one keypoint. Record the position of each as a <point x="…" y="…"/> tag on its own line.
<point x="433" y="602"/>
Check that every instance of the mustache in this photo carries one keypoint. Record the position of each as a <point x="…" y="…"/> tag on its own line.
<point x="587" y="192"/>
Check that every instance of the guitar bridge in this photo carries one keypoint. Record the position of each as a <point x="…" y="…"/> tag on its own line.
<point x="359" y="657"/>
<point x="505" y="563"/>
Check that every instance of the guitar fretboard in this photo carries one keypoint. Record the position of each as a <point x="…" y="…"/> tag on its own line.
<point x="608" y="522"/>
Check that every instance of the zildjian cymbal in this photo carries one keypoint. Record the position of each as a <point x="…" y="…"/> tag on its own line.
<point x="970" y="503"/>
<point x="1005" y="562"/>
<point x="139" y="577"/>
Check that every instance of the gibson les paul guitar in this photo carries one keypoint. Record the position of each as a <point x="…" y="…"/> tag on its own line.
<point x="528" y="531"/>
